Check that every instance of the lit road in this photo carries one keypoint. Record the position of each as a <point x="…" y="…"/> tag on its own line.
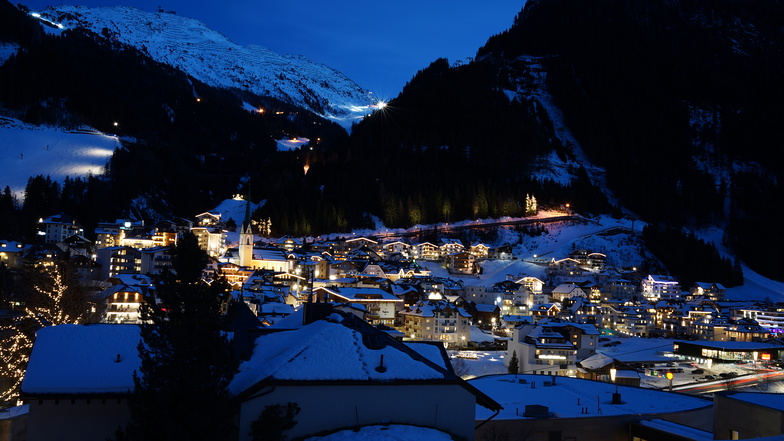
<point x="477" y="226"/>
<point x="730" y="383"/>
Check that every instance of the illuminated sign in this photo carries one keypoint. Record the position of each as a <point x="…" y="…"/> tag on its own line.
<point x="765" y="356"/>
<point x="553" y="357"/>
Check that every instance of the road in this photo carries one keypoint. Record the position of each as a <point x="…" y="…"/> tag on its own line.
<point x="478" y="225"/>
<point x="730" y="383"/>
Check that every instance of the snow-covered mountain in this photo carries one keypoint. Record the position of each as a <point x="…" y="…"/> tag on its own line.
<point x="189" y="45"/>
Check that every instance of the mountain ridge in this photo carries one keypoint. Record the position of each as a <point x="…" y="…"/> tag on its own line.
<point x="190" y="46"/>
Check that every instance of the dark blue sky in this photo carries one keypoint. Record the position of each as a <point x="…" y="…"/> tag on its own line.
<point x="380" y="45"/>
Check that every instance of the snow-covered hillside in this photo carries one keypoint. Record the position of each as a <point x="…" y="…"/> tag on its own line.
<point x="189" y="45"/>
<point x="619" y="239"/>
<point x="27" y="150"/>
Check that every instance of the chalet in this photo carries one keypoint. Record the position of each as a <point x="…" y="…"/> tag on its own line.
<point x="235" y="275"/>
<point x="211" y="239"/>
<point x="545" y="310"/>
<point x="461" y="262"/>
<point x="77" y="245"/>
<point x="619" y="289"/>
<point x="712" y="291"/>
<point x="359" y="242"/>
<point x="655" y="287"/>
<point x="437" y="320"/>
<point x="449" y="246"/>
<point x="558" y="269"/>
<point x="589" y="260"/>
<point x="541" y="349"/>
<point x="382" y="306"/>
<point x="121" y="303"/>
<point x="363" y="254"/>
<point x="11" y="253"/>
<point x="601" y="367"/>
<point x="512" y="297"/>
<point x="119" y="260"/>
<point x="57" y="228"/>
<point x="138" y="241"/>
<point x="156" y="260"/>
<point x="485" y="316"/>
<point x="337" y="371"/>
<point x="396" y="247"/>
<point x="584" y="337"/>
<point x="165" y="233"/>
<point x="531" y="283"/>
<point x="723" y="329"/>
<point x="504" y="252"/>
<point x="424" y="251"/>
<point x="209" y="220"/>
<point x="629" y="320"/>
<point x="78" y="381"/>
<point x="567" y="291"/>
<point x="480" y="250"/>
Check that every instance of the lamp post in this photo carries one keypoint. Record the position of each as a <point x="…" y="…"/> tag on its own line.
<point x="616" y="397"/>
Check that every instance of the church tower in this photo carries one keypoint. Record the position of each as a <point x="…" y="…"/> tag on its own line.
<point x="246" y="238"/>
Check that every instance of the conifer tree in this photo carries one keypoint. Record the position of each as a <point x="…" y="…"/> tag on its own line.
<point x="514" y="364"/>
<point x="186" y="363"/>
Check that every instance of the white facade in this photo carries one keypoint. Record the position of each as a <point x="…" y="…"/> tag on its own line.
<point x="655" y="287"/>
<point x="542" y="350"/>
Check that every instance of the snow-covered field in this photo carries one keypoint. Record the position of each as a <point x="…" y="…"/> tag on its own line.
<point x="27" y="150"/>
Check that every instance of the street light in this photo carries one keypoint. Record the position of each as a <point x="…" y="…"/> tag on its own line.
<point x="616" y="397"/>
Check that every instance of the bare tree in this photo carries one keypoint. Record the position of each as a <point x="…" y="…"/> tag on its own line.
<point x="460" y="367"/>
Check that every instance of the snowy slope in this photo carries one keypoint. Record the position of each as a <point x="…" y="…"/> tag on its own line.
<point x="189" y="45"/>
<point x="27" y="150"/>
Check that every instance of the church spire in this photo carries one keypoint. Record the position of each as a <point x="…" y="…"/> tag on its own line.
<point x="246" y="237"/>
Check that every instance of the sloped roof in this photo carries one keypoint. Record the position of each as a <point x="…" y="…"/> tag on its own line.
<point x="596" y="361"/>
<point x="342" y="349"/>
<point x="83" y="359"/>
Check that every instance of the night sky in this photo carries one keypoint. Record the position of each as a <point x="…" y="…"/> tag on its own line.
<point x="380" y="45"/>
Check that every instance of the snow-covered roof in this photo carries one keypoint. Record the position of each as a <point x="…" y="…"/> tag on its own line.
<point x="392" y="432"/>
<point x="430" y="307"/>
<point x="565" y="288"/>
<point x="360" y="294"/>
<point x="269" y="254"/>
<point x="83" y="359"/>
<point x="431" y="351"/>
<point x="774" y="401"/>
<point x="563" y="397"/>
<point x="328" y="351"/>
<point x="596" y="361"/>
<point x="481" y="307"/>
<point x="478" y="336"/>
<point x="587" y="329"/>
<point x="276" y="308"/>
<point x="131" y="279"/>
<point x="678" y="429"/>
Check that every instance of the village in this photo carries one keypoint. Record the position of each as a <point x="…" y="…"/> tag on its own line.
<point x="440" y="302"/>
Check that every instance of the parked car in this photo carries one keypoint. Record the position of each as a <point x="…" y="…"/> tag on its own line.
<point x="698" y="372"/>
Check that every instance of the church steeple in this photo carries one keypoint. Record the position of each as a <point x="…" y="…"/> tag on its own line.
<point x="246" y="237"/>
